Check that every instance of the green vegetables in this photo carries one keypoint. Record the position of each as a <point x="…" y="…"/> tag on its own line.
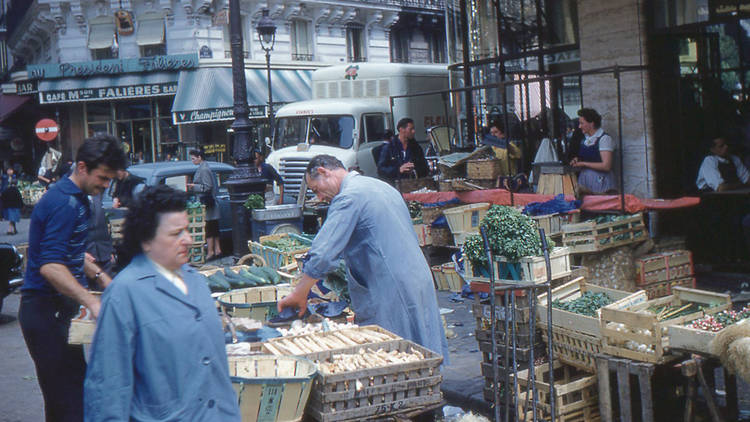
<point x="587" y="304"/>
<point x="255" y="202"/>
<point x="227" y="279"/>
<point x="511" y="235"/>
<point x="415" y="209"/>
<point x="285" y="244"/>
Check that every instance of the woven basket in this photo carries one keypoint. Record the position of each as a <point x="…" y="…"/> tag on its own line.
<point x="410" y="185"/>
<point x="483" y="169"/>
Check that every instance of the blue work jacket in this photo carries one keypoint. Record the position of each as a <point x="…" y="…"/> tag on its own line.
<point x="158" y="354"/>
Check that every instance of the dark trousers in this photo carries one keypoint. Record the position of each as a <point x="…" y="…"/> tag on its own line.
<point x="60" y="368"/>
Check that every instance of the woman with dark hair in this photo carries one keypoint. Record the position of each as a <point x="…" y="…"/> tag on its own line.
<point x="158" y="352"/>
<point x="595" y="155"/>
<point x="204" y="184"/>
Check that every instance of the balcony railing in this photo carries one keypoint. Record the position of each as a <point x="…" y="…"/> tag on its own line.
<point x="356" y="59"/>
<point x="302" y="57"/>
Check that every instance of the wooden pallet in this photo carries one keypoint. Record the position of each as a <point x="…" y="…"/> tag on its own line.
<point x="633" y="323"/>
<point x="624" y="368"/>
<point x="664" y="266"/>
<point x="664" y="288"/>
<point x="376" y="392"/>
<point x="589" y="236"/>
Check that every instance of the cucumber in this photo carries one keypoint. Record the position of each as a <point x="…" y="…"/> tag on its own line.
<point x="252" y="278"/>
<point x="259" y="273"/>
<point x="218" y="283"/>
<point x="234" y="279"/>
<point x="272" y="274"/>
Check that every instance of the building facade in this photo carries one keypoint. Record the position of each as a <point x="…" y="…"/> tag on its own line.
<point x="157" y="73"/>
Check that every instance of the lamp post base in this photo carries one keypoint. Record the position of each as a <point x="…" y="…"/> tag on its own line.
<point x="244" y="182"/>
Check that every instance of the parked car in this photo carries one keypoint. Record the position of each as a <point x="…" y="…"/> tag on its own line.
<point x="11" y="276"/>
<point x="177" y="173"/>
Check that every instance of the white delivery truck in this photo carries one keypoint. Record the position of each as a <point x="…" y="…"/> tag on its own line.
<point x="350" y="113"/>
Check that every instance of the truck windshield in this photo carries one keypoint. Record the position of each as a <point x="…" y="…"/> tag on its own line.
<point x="290" y="131"/>
<point x="333" y="131"/>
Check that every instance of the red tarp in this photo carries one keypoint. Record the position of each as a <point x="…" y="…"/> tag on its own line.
<point x="599" y="203"/>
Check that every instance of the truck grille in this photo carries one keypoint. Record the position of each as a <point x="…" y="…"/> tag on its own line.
<point x="292" y="170"/>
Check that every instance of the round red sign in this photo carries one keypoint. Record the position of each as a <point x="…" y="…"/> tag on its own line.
<point x="47" y="129"/>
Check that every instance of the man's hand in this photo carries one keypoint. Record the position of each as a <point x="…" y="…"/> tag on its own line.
<point x="406" y="167"/>
<point x="298" y="297"/>
<point x="89" y="258"/>
<point x="94" y="306"/>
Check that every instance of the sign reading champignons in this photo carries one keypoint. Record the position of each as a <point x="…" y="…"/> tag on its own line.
<point x="172" y="62"/>
<point x="214" y="114"/>
<point x="108" y="93"/>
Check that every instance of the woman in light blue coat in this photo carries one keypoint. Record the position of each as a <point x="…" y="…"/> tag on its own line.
<point x="158" y="353"/>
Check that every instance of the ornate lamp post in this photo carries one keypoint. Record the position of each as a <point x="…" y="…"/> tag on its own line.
<point x="267" y="37"/>
<point x="246" y="179"/>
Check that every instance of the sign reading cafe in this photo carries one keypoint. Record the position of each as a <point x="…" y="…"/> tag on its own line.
<point x="108" y="93"/>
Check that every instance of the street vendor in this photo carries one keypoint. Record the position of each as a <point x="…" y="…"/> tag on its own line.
<point x="402" y="157"/>
<point x="368" y="224"/>
<point x="721" y="171"/>
<point x="595" y="155"/>
<point x="267" y="172"/>
<point x="505" y="151"/>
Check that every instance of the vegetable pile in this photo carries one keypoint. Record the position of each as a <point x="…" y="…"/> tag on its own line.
<point x="511" y="235"/>
<point x="367" y="359"/>
<point x="415" y="209"/>
<point x="246" y="277"/>
<point x="667" y="312"/>
<point x="721" y="320"/>
<point x="286" y="244"/>
<point x="587" y="304"/>
<point x="255" y="202"/>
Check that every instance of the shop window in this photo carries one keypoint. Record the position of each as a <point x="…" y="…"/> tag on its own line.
<point x="399" y="45"/>
<point x="150" y="37"/>
<point x="97" y="111"/>
<point x="562" y="22"/>
<point x="668" y="13"/>
<point x="128" y="110"/>
<point x="300" y="39"/>
<point x="355" y="43"/>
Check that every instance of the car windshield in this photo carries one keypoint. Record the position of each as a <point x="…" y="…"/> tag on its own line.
<point x="290" y="131"/>
<point x="336" y="131"/>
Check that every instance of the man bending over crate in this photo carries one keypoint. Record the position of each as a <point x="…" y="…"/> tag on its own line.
<point x="368" y="225"/>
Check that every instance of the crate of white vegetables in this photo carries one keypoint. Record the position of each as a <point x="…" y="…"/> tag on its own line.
<point x="639" y="332"/>
<point x="336" y="339"/>
<point x="373" y="381"/>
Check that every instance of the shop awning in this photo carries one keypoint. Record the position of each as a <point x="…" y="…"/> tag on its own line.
<point x="99" y="88"/>
<point x="9" y="103"/>
<point x="101" y="33"/>
<point x="206" y="95"/>
<point x="150" y="30"/>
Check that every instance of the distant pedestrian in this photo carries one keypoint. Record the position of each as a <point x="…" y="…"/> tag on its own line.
<point x="12" y="204"/>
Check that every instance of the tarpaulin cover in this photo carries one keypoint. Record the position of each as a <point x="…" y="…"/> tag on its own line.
<point x="594" y="203"/>
<point x="557" y="205"/>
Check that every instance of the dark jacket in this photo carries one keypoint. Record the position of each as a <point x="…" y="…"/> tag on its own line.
<point x="99" y="241"/>
<point x="11" y="198"/>
<point x="392" y="157"/>
<point x="124" y="189"/>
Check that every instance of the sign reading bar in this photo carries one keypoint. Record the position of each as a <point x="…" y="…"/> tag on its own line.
<point x="26" y="87"/>
<point x="108" y="93"/>
<point x="114" y="66"/>
<point x="214" y="114"/>
<point x="214" y="148"/>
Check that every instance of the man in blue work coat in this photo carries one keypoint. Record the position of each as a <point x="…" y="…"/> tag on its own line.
<point x="368" y="224"/>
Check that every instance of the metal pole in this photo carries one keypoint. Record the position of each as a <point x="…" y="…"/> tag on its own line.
<point x="621" y="146"/>
<point x="493" y="326"/>
<point x="270" y="95"/>
<point x="550" y="350"/>
<point x="468" y="96"/>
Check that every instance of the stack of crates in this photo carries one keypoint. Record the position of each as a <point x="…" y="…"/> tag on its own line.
<point x="659" y="273"/>
<point x="197" y="229"/>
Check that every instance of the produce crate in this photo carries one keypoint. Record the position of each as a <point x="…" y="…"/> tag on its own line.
<point x="197" y="214"/>
<point x="576" y="337"/>
<point x="553" y="223"/>
<point x="258" y="303"/>
<point x="410" y="185"/>
<point x="378" y="391"/>
<point x="590" y="236"/>
<point x="197" y="254"/>
<point x="271" y="388"/>
<point x="276" y="258"/>
<point x="484" y="169"/>
<point x="664" y="288"/>
<point x="664" y="266"/>
<point x="692" y="339"/>
<point x="634" y="323"/>
<point x="197" y="232"/>
<point x="576" y="394"/>
<point x="466" y="218"/>
<point x="529" y="268"/>
<point x="524" y="340"/>
<point x="446" y="277"/>
<point x="424" y="234"/>
<point x="115" y="226"/>
<point x="345" y="338"/>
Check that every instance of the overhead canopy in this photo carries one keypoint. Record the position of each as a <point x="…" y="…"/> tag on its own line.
<point x="101" y="32"/>
<point x="206" y="94"/>
<point x="95" y="88"/>
<point x="9" y="103"/>
<point x="150" y="29"/>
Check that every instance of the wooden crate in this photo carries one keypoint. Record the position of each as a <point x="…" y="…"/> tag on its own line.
<point x="590" y="236"/>
<point x="446" y="277"/>
<point x="276" y="258"/>
<point x="466" y="218"/>
<point x="577" y="338"/>
<point x="576" y="394"/>
<point x="529" y="268"/>
<point x="197" y="232"/>
<point x="253" y="302"/>
<point x="664" y="266"/>
<point x="634" y="324"/>
<point x="524" y="339"/>
<point x="424" y="234"/>
<point x="441" y="236"/>
<point x="271" y="388"/>
<point x="379" y="391"/>
<point x="553" y="223"/>
<point x="692" y="339"/>
<point x="197" y="254"/>
<point x="664" y="288"/>
<point x="197" y="214"/>
<point x="430" y="214"/>
<point x="623" y="370"/>
<point x="345" y="338"/>
<point x="484" y="169"/>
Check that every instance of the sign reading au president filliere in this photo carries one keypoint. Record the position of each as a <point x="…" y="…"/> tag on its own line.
<point x="108" y="93"/>
<point x="172" y="62"/>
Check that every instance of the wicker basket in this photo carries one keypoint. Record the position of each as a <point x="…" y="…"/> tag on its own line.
<point x="483" y="169"/>
<point x="253" y="302"/>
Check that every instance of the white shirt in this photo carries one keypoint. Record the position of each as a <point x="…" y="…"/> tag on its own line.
<point x="605" y="143"/>
<point x="173" y="277"/>
<point x="709" y="176"/>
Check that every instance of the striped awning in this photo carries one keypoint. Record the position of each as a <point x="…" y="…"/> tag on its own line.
<point x="98" y="88"/>
<point x="206" y="94"/>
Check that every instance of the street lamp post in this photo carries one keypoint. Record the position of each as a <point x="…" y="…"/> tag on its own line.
<point x="246" y="179"/>
<point x="267" y="37"/>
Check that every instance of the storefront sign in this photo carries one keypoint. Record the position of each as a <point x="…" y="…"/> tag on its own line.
<point x="26" y="87"/>
<point x="214" y="148"/>
<point x="113" y="67"/>
<point x="108" y="93"/>
<point x="215" y="114"/>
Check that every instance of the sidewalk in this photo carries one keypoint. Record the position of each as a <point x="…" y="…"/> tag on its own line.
<point x="23" y="232"/>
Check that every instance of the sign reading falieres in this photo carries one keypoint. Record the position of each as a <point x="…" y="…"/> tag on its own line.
<point x="214" y="114"/>
<point x="113" y="67"/>
<point x="108" y="93"/>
